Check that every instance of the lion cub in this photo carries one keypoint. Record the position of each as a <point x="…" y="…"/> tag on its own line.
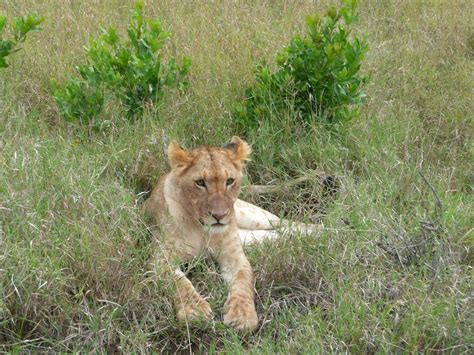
<point x="193" y="207"/>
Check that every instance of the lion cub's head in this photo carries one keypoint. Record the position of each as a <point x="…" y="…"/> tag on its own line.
<point x="206" y="181"/>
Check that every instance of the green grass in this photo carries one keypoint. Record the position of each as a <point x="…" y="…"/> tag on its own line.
<point x="392" y="272"/>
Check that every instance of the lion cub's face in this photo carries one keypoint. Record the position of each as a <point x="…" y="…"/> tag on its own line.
<point x="206" y="181"/>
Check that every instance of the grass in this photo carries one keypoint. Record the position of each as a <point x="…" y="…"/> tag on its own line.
<point x="391" y="273"/>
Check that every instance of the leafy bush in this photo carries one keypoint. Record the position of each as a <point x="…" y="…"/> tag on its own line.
<point x="20" y="28"/>
<point x="79" y="101"/>
<point x="132" y="72"/>
<point x="317" y="77"/>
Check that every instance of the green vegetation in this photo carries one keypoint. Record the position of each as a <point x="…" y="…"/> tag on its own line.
<point x="317" y="78"/>
<point x="20" y="28"/>
<point x="132" y="72"/>
<point x="391" y="273"/>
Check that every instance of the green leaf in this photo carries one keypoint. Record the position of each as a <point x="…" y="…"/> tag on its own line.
<point x="3" y="63"/>
<point x="332" y="12"/>
<point x="111" y="37"/>
<point x="3" y="22"/>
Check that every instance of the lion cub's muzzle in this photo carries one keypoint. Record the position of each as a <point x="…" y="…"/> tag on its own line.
<point x="214" y="219"/>
<point x="220" y="216"/>
<point x="218" y="213"/>
<point x="218" y="208"/>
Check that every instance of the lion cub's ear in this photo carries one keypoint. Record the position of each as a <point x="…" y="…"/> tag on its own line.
<point x="240" y="149"/>
<point x="177" y="156"/>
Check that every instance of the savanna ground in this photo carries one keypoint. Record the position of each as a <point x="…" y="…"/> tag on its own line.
<point x="392" y="272"/>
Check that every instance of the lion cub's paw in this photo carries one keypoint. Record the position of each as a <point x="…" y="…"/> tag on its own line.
<point x="240" y="314"/>
<point x="192" y="310"/>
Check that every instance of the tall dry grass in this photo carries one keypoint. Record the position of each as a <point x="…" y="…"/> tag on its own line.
<point x="392" y="272"/>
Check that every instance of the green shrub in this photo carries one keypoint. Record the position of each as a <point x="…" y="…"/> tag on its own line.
<point x="79" y="100"/>
<point x="317" y="76"/>
<point x="132" y="72"/>
<point x="20" y="28"/>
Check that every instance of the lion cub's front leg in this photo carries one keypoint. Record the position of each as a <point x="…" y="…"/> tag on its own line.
<point x="240" y="305"/>
<point x="188" y="303"/>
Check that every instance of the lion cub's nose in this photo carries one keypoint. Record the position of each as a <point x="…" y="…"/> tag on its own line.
<point x="218" y="216"/>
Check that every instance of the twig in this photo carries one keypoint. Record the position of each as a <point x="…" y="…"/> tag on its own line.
<point x="269" y="189"/>
<point x="439" y="206"/>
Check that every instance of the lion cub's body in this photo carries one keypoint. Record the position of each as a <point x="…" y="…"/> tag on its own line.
<point x="193" y="207"/>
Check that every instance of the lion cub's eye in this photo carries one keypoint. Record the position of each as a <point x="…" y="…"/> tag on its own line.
<point x="200" y="183"/>
<point x="229" y="182"/>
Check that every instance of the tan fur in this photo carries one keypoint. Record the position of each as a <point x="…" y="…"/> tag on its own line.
<point x="186" y="213"/>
